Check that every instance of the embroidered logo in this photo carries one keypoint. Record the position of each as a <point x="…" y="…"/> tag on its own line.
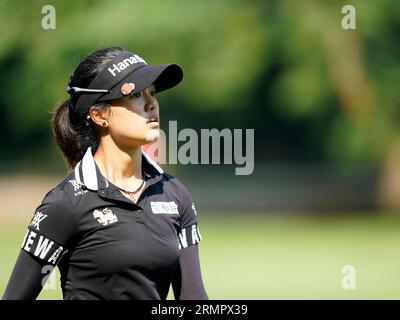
<point x="105" y="217"/>
<point x="77" y="187"/>
<point x="164" y="207"/>
<point x="118" y="67"/>
<point x="127" y="88"/>
<point x="37" y="218"/>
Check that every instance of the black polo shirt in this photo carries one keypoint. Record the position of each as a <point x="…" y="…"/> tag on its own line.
<point x="106" y="246"/>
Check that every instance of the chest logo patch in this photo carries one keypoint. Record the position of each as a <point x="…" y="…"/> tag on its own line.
<point x="105" y="217"/>
<point x="164" y="207"/>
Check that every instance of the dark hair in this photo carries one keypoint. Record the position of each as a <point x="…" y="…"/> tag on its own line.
<point x="73" y="131"/>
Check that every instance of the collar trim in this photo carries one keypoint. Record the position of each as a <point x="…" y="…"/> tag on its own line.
<point x="86" y="173"/>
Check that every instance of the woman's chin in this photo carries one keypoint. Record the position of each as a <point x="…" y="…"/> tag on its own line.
<point x="152" y="135"/>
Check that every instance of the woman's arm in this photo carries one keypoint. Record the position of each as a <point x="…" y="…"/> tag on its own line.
<point x="26" y="278"/>
<point x="187" y="282"/>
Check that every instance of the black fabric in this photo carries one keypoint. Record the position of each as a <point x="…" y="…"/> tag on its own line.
<point x="25" y="282"/>
<point x="187" y="283"/>
<point x="164" y="76"/>
<point x="27" y="276"/>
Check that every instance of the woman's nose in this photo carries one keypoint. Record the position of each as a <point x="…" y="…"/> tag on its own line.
<point x="151" y="106"/>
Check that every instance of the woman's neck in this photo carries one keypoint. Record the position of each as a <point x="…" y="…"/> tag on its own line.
<point x="117" y="165"/>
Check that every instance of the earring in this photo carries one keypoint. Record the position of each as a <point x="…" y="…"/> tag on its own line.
<point x="104" y="124"/>
<point x="87" y="121"/>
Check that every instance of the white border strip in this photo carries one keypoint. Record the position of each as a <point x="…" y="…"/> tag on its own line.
<point x="152" y="162"/>
<point x="89" y="171"/>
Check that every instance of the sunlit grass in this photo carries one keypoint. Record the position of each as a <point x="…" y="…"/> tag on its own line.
<point x="279" y="256"/>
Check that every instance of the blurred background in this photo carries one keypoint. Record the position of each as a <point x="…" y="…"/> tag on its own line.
<point x="323" y="101"/>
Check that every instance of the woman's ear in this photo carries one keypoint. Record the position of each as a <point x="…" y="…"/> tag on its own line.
<point x="99" y="117"/>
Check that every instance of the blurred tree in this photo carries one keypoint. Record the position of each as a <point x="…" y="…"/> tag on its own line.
<point x="312" y="90"/>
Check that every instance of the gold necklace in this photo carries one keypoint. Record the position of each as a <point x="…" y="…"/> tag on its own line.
<point x="131" y="193"/>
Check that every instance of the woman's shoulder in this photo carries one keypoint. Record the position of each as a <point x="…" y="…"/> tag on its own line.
<point x="178" y="189"/>
<point x="175" y="183"/>
<point x="186" y="206"/>
<point x="62" y="193"/>
<point x="54" y="219"/>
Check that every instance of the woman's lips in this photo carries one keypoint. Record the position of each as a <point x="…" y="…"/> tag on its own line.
<point x="153" y="124"/>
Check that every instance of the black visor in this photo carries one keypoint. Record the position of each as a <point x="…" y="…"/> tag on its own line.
<point x="125" y="74"/>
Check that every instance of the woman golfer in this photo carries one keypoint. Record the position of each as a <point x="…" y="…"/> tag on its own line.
<point x="117" y="226"/>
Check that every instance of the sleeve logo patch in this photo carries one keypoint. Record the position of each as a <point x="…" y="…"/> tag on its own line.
<point x="189" y="236"/>
<point x="37" y="218"/>
<point x="105" y="217"/>
<point x="164" y="207"/>
<point x="42" y="247"/>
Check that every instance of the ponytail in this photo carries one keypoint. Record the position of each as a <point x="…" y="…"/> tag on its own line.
<point x="73" y="134"/>
<point x="73" y="131"/>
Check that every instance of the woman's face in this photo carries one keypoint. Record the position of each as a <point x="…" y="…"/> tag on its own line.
<point x="134" y="120"/>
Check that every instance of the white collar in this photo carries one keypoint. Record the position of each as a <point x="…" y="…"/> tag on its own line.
<point x="86" y="174"/>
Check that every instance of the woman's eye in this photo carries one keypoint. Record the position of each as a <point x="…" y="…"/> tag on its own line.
<point x="137" y="94"/>
<point x="153" y="93"/>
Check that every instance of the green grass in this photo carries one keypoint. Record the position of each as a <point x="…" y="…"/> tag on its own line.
<point x="279" y="257"/>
